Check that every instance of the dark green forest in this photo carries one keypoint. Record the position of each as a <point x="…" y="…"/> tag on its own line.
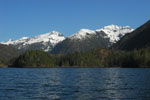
<point x="92" y="58"/>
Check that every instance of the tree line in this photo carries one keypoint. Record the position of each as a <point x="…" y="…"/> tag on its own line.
<point x="92" y="58"/>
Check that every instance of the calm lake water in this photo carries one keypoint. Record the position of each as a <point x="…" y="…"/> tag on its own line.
<point x="74" y="84"/>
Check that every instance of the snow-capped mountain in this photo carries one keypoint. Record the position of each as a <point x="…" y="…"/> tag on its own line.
<point x="43" y="42"/>
<point x="83" y="33"/>
<point x="86" y="39"/>
<point x="21" y="40"/>
<point x="139" y="38"/>
<point x="113" y="32"/>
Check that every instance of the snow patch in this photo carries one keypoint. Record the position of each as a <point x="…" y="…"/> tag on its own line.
<point x="82" y="34"/>
<point x="115" y="32"/>
<point x="51" y="37"/>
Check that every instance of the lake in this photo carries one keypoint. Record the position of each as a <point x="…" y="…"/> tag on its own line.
<point x="74" y="84"/>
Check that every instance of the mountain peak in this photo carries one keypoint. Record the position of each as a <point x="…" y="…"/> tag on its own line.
<point x="24" y="38"/>
<point x="48" y="40"/>
<point x="10" y="41"/>
<point x="50" y="33"/>
<point x="115" y="32"/>
<point x="54" y="33"/>
<point x="116" y="27"/>
<point x="82" y="33"/>
<point x="111" y="27"/>
<point x="52" y="37"/>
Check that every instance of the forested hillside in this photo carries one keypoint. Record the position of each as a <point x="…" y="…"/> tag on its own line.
<point x="7" y="53"/>
<point x="92" y="58"/>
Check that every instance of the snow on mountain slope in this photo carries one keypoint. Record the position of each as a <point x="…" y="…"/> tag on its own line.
<point x="11" y="42"/>
<point x="82" y="34"/>
<point x="113" y="32"/>
<point x="51" y="38"/>
<point x="47" y="41"/>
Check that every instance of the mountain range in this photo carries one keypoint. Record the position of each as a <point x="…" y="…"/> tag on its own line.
<point x="43" y="42"/>
<point x="117" y="46"/>
<point x="83" y="40"/>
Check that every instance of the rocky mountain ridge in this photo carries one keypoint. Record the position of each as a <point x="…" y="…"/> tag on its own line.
<point x="46" y="42"/>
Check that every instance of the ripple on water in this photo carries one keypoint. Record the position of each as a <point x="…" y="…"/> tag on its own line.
<point x="75" y="84"/>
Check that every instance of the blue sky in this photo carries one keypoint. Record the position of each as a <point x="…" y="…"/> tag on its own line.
<point x="29" y="18"/>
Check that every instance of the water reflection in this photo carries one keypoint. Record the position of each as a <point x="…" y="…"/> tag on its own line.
<point x="113" y="84"/>
<point x="49" y="81"/>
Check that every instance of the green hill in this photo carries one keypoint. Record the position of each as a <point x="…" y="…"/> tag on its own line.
<point x="35" y="58"/>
